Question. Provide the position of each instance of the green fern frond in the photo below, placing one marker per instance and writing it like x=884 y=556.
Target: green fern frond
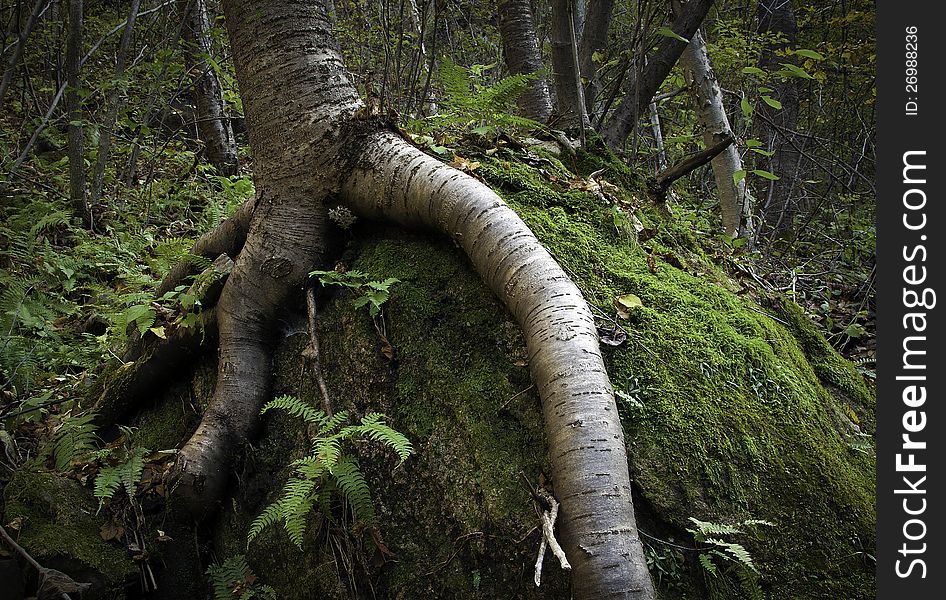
x=373 y=427
x=270 y=516
x=708 y=564
x=75 y=436
x=736 y=551
x=233 y=579
x=296 y=408
x=332 y=424
x=351 y=483
x=328 y=450
x=710 y=528
x=456 y=84
x=130 y=471
x=107 y=483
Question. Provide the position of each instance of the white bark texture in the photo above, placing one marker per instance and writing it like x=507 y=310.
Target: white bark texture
x=711 y=114
x=395 y=181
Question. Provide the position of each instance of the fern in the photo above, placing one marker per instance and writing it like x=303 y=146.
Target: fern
x=295 y=408
x=326 y=472
x=75 y=436
x=730 y=554
x=351 y=483
x=233 y=579
x=125 y=474
x=469 y=104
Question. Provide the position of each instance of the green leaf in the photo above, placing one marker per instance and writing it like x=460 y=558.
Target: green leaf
x=738 y=176
x=753 y=71
x=752 y=143
x=854 y=330
x=809 y=54
x=772 y=102
x=761 y=151
x=629 y=300
x=670 y=33
x=746 y=107
x=765 y=175
x=796 y=71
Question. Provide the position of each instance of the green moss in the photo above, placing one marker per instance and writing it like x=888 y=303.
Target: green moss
x=59 y=527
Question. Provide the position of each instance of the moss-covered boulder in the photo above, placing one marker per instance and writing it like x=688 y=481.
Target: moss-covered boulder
x=735 y=408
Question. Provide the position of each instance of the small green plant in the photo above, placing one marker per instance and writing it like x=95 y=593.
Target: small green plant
x=470 y=104
x=234 y=580
x=326 y=472
x=718 y=555
x=74 y=437
x=372 y=293
x=121 y=467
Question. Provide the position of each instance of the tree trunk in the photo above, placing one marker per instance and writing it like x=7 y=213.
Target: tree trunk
x=114 y=103
x=521 y=49
x=307 y=146
x=17 y=55
x=711 y=114
x=213 y=125
x=75 y=134
x=640 y=88
x=594 y=39
x=777 y=126
x=570 y=105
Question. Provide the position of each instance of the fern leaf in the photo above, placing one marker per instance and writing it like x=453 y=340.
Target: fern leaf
x=130 y=470
x=375 y=429
x=296 y=408
x=736 y=551
x=351 y=483
x=332 y=424
x=75 y=436
x=708 y=564
x=710 y=528
x=328 y=451
x=107 y=483
x=270 y=515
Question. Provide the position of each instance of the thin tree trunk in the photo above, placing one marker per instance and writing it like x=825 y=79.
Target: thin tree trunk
x=711 y=115
x=307 y=145
x=640 y=88
x=17 y=55
x=213 y=124
x=76 y=137
x=114 y=103
x=777 y=126
x=521 y=50
x=430 y=107
x=569 y=104
x=594 y=39
x=658 y=137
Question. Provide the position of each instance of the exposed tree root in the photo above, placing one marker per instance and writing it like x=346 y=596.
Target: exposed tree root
x=127 y=386
x=283 y=245
x=227 y=238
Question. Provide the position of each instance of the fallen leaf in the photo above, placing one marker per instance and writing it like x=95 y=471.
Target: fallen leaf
x=111 y=531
